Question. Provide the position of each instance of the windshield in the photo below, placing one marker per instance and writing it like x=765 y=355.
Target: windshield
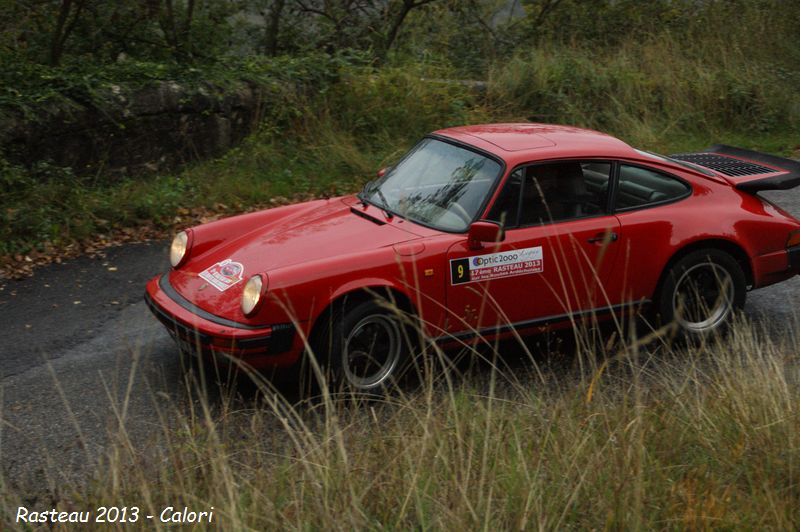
x=436 y=184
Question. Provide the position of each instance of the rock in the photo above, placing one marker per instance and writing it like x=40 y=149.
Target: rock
x=126 y=128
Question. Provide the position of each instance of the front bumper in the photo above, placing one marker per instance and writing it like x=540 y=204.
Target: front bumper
x=794 y=258
x=203 y=333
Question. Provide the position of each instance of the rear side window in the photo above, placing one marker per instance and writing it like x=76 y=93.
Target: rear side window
x=639 y=187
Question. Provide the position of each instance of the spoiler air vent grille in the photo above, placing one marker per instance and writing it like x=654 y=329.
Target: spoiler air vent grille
x=722 y=164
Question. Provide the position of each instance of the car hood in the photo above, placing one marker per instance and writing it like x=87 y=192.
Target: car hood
x=330 y=229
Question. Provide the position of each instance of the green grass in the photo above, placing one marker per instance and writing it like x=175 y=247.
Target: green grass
x=653 y=93
x=656 y=437
x=63 y=209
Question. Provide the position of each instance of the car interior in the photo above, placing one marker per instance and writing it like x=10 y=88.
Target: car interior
x=553 y=192
x=639 y=186
x=572 y=189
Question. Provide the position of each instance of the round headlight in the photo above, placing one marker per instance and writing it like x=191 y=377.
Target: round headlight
x=177 y=250
x=251 y=295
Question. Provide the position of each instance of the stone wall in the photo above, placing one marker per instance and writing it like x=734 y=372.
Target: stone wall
x=126 y=130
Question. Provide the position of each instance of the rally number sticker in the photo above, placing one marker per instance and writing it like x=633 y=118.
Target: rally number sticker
x=223 y=274
x=497 y=265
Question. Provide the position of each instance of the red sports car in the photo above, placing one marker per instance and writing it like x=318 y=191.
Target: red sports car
x=475 y=232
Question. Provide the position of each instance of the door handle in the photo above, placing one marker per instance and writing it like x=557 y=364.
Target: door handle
x=600 y=237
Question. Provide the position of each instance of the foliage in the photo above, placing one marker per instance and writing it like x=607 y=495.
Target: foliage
x=649 y=72
x=102 y=31
x=321 y=143
x=30 y=87
x=647 y=86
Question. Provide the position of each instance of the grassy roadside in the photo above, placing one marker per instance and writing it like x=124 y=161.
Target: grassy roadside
x=330 y=142
x=324 y=144
x=624 y=437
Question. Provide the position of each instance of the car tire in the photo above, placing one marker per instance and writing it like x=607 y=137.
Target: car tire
x=365 y=350
x=701 y=293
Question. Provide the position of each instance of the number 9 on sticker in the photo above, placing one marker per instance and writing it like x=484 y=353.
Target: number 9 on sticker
x=459 y=271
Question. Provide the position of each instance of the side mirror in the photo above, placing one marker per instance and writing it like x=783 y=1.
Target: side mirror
x=480 y=232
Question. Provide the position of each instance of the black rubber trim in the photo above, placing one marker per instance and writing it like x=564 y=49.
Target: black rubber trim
x=794 y=258
x=282 y=338
x=174 y=325
x=785 y=181
x=538 y=322
x=167 y=288
x=279 y=341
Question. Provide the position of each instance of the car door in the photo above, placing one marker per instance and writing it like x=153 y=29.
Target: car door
x=557 y=257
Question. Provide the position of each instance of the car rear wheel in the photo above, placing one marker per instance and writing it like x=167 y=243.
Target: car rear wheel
x=367 y=348
x=702 y=292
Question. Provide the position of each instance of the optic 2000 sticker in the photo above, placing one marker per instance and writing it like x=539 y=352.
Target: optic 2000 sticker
x=497 y=265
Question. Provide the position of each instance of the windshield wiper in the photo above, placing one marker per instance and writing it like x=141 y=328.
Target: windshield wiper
x=361 y=195
x=384 y=206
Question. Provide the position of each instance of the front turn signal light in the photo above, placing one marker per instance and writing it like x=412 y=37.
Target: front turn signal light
x=794 y=239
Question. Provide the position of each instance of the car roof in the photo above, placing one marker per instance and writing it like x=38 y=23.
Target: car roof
x=517 y=143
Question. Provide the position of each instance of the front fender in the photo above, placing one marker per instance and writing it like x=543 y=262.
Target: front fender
x=368 y=283
x=208 y=236
x=303 y=292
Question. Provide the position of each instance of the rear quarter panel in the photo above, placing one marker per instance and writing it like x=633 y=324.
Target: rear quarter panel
x=650 y=237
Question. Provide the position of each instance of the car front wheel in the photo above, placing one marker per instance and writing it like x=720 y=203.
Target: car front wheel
x=368 y=348
x=701 y=292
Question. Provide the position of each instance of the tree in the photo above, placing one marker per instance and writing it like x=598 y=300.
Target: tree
x=69 y=14
x=273 y=27
x=177 y=27
x=394 y=16
x=360 y=23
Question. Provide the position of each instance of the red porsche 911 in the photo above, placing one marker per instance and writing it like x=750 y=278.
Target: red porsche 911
x=476 y=232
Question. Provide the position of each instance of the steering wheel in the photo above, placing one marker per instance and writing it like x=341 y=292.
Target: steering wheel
x=461 y=212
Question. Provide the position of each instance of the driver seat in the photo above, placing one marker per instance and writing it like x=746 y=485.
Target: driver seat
x=572 y=189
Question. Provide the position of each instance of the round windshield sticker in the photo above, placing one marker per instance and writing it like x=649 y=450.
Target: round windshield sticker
x=223 y=274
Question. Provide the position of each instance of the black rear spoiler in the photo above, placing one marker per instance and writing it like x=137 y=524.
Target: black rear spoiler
x=744 y=168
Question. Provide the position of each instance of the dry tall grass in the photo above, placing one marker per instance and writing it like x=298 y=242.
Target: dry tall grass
x=656 y=437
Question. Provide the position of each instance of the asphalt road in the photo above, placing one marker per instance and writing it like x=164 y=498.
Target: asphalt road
x=77 y=338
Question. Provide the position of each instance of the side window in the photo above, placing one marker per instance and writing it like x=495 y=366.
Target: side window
x=639 y=186
x=506 y=208
x=564 y=191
